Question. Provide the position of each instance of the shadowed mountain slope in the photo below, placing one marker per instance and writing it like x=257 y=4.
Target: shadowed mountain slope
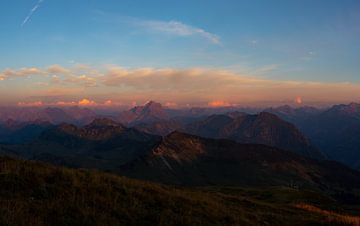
x=335 y=130
x=103 y=144
x=191 y=160
x=264 y=128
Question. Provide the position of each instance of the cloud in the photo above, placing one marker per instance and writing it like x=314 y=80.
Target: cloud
x=32 y=11
x=82 y=80
x=266 y=69
x=170 y=104
x=57 y=69
x=23 y=72
x=219 y=103
x=62 y=103
x=177 y=28
x=59 y=75
x=172 y=86
x=86 y=102
x=207 y=85
x=30 y=104
x=298 y=100
x=55 y=80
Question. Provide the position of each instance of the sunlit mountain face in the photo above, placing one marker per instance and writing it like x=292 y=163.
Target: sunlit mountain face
x=204 y=112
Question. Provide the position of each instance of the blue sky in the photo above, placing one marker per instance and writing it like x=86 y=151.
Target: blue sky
x=276 y=40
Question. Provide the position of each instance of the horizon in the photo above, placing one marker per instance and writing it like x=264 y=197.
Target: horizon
x=112 y=54
x=87 y=104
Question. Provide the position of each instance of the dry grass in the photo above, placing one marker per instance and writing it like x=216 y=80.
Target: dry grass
x=33 y=193
x=332 y=217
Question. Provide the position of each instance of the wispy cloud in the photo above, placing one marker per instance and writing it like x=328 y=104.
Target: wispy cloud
x=59 y=75
x=266 y=69
x=177 y=28
x=32 y=11
x=22 y=72
x=171 y=27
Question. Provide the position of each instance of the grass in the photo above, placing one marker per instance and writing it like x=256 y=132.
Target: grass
x=33 y=193
x=331 y=217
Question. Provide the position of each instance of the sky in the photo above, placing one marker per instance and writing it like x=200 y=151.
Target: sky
x=180 y=53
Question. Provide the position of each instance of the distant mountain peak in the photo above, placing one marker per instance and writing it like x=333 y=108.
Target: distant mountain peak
x=152 y=103
x=150 y=112
x=352 y=108
x=284 y=109
x=263 y=128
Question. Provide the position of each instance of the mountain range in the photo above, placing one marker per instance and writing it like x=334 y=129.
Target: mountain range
x=335 y=130
x=182 y=159
x=54 y=115
x=331 y=133
x=102 y=144
x=264 y=128
x=257 y=163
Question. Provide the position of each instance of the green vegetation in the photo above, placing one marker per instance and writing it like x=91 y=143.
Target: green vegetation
x=33 y=193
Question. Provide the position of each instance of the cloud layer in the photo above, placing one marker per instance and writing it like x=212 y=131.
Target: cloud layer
x=179 y=87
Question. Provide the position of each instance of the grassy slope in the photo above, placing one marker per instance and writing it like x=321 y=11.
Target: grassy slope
x=34 y=193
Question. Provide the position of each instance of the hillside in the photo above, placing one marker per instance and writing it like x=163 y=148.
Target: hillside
x=102 y=144
x=263 y=128
x=183 y=159
x=192 y=160
x=335 y=131
x=33 y=193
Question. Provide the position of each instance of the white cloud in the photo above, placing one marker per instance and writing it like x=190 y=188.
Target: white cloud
x=177 y=28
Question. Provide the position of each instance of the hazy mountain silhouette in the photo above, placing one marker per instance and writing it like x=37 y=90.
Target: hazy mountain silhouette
x=335 y=130
x=264 y=128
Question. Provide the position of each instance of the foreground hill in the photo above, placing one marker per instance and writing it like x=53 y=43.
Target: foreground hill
x=191 y=160
x=39 y=194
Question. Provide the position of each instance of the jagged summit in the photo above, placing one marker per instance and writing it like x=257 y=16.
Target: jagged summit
x=352 y=108
x=150 y=112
